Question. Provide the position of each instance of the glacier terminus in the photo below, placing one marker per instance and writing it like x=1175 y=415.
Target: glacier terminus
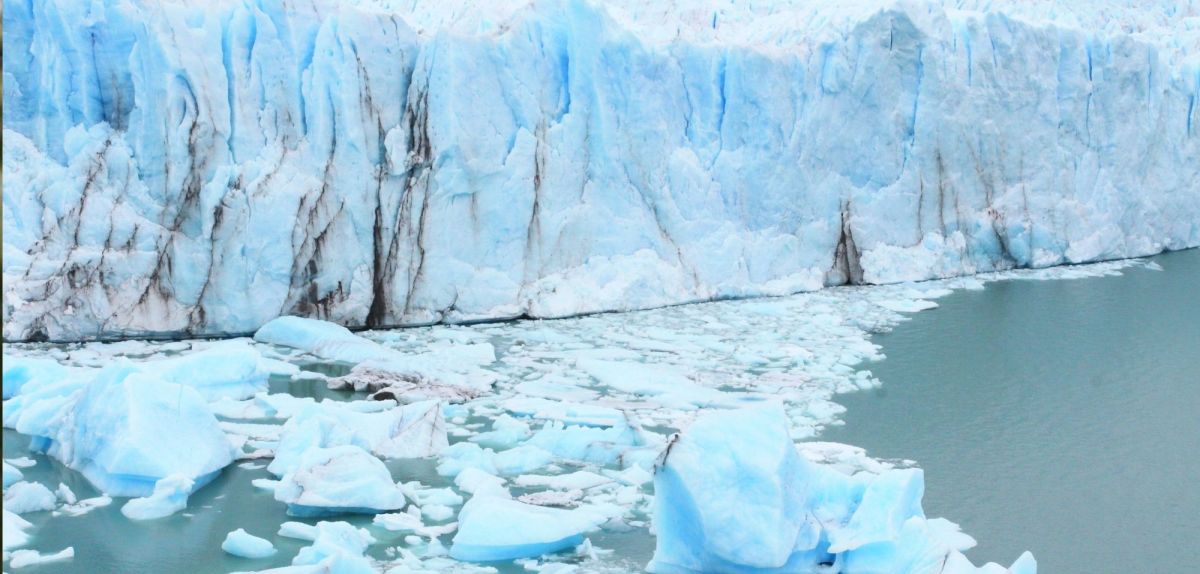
x=175 y=168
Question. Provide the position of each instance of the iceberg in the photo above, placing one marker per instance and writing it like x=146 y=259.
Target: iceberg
x=496 y=528
x=11 y=475
x=411 y=431
x=126 y=430
x=14 y=530
x=337 y=480
x=246 y=545
x=170 y=496
x=24 y=497
x=380 y=163
x=733 y=494
x=23 y=558
x=337 y=548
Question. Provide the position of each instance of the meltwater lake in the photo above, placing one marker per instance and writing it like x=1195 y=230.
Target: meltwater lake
x=1054 y=416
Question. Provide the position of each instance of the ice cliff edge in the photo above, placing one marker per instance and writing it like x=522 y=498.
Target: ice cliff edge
x=182 y=169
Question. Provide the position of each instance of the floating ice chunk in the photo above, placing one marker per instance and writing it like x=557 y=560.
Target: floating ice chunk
x=634 y=475
x=557 y=498
x=568 y=413
x=668 y=386
x=126 y=431
x=481 y=483
x=86 y=505
x=21 y=462
x=23 y=558
x=579 y=480
x=557 y=388
x=521 y=459
x=492 y=528
x=464 y=455
x=11 y=474
x=170 y=496
x=14 y=530
x=411 y=431
x=591 y=444
x=65 y=494
x=321 y=338
x=506 y=432
x=20 y=370
x=339 y=546
x=423 y=496
x=437 y=512
x=733 y=494
x=228 y=369
x=241 y=543
x=400 y=521
x=298 y=530
x=906 y=305
x=339 y=479
x=24 y=497
x=455 y=365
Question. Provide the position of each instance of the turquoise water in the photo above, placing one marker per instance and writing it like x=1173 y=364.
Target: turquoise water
x=1061 y=417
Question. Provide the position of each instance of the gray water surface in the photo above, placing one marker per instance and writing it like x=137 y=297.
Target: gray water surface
x=1062 y=417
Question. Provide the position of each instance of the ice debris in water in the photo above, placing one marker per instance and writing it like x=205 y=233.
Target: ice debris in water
x=450 y=365
x=23 y=558
x=170 y=496
x=246 y=545
x=125 y=430
x=497 y=528
x=733 y=494
x=338 y=479
x=11 y=475
x=24 y=497
x=14 y=530
x=411 y=431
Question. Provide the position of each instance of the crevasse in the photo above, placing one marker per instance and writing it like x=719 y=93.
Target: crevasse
x=175 y=169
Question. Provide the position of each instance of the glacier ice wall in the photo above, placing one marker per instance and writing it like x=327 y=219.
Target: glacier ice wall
x=176 y=168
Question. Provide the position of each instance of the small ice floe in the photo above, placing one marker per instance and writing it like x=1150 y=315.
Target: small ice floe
x=494 y=528
x=578 y=480
x=14 y=530
x=411 y=431
x=170 y=496
x=24 y=497
x=23 y=558
x=11 y=475
x=246 y=545
x=337 y=480
x=566 y=412
x=85 y=506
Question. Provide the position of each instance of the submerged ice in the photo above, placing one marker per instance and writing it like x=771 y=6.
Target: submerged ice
x=379 y=163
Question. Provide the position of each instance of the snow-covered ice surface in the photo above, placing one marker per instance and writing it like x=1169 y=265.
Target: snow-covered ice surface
x=570 y=419
x=387 y=162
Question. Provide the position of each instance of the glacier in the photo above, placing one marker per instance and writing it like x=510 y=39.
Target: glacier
x=178 y=169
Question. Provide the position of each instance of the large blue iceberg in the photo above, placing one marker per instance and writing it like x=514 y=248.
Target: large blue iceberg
x=732 y=494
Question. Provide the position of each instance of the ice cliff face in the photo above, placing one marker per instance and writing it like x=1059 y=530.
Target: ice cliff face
x=176 y=168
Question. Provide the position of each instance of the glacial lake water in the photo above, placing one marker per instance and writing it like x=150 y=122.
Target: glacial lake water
x=1056 y=416
x=1062 y=417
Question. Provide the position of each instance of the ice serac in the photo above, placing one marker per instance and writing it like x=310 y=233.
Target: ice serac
x=732 y=494
x=377 y=162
